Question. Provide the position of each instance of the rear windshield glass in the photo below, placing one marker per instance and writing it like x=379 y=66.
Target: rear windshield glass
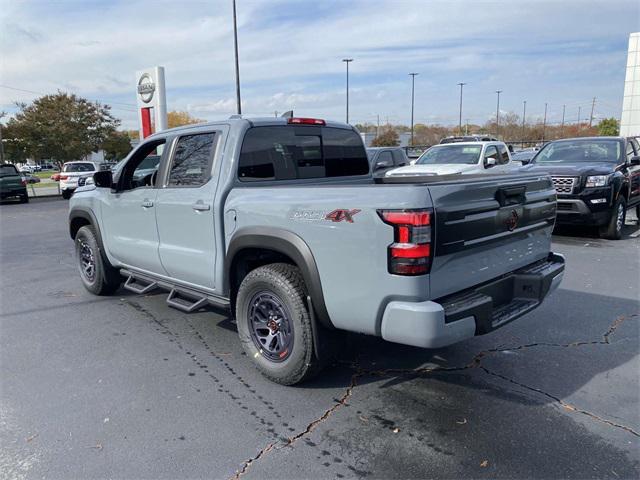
x=573 y=151
x=8 y=170
x=290 y=153
x=78 y=167
x=451 y=154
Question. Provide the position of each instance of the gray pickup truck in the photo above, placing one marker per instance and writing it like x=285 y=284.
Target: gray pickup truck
x=281 y=222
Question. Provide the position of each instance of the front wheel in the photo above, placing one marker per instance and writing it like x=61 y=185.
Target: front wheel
x=613 y=230
x=274 y=324
x=96 y=273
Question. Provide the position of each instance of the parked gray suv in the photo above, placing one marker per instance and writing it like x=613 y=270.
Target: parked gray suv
x=281 y=222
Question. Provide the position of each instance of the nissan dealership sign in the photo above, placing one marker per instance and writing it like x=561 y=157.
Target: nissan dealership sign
x=152 y=101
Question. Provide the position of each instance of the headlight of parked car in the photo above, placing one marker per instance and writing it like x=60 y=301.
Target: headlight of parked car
x=597 y=180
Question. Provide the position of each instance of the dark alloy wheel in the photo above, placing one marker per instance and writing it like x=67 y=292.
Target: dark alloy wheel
x=270 y=326
x=87 y=261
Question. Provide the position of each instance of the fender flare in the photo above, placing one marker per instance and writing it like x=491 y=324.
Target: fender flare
x=87 y=214
x=286 y=243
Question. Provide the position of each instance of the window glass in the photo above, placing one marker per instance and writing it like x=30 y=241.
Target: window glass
x=78 y=167
x=400 y=158
x=386 y=157
x=191 y=163
x=491 y=152
x=8 y=170
x=580 y=150
x=451 y=153
x=504 y=154
x=139 y=169
x=630 y=152
x=288 y=153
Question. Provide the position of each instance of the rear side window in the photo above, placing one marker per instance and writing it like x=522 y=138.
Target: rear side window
x=191 y=165
x=8 y=170
x=400 y=158
x=504 y=155
x=290 y=153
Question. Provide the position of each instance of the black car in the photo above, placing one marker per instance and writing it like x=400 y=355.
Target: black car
x=597 y=180
x=384 y=158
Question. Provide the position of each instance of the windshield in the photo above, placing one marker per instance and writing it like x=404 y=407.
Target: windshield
x=78 y=167
x=575 y=151
x=451 y=154
x=7 y=170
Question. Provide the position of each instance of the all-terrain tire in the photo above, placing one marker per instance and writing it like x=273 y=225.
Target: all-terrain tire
x=282 y=283
x=613 y=230
x=103 y=278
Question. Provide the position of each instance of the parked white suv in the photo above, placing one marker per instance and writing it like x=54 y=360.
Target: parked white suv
x=72 y=172
x=462 y=157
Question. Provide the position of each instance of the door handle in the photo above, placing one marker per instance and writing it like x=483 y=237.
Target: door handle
x=200 y=206
x=147 y=203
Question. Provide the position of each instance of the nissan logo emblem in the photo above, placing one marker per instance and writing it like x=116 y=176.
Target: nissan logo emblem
x=146 y=87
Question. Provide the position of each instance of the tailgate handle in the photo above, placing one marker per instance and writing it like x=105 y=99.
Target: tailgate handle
x=511 y=195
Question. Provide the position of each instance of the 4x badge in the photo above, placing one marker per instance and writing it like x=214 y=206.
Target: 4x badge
x=341 y=215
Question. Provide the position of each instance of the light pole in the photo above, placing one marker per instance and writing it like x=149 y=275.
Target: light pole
x=562 y=124
x=579 y=111
x=544 y=122
x=462 y=84
x=347 y=61
x=498 y=114
x=413 y=84
x=524 y=115
x=235 y=42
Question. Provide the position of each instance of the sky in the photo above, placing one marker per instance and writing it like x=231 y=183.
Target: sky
x=555 y=52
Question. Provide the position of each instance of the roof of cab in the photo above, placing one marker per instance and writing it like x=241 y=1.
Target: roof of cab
x=252 y=121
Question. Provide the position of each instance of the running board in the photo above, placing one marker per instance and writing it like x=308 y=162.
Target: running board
x=183 y=298
x=185 y=302
x=139 y=286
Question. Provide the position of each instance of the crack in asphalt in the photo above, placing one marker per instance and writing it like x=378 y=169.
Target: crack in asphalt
x=342 y=401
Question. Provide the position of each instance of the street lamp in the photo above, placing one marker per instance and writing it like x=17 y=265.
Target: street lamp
x=524 y=115
x=413 y=84
x=462 y=84
x=347 y=61
x=544 y=122
x=235 y=43
x=498 y=114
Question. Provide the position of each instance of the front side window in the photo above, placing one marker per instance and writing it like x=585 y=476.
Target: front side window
x=630 y=152
x=191 y=165
x=140 y=169
x=289 y=153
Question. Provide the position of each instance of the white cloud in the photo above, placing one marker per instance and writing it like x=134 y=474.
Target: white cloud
x=290 y=54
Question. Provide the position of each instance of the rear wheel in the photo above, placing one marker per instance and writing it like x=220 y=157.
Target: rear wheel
x=24 y=198
x=274 y=324
x=96 y=273
x=613 y=230
x=66 y=194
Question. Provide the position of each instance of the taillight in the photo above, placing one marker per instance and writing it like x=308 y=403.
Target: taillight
x=305 y=121
x=410 y=254
x=63 y=177
x=24 y=182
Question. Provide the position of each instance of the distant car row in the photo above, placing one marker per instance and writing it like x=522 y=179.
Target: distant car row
x=597 y=179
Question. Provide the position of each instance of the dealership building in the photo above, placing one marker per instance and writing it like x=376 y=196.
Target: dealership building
x=630 y=120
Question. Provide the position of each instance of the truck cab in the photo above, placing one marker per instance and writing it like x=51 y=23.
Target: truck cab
x=460 y=158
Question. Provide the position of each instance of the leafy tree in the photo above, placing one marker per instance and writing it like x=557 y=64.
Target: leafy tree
x=609 y=127
x=116 y=146
x=177 y=119
x=388 y=138
x=61 y=127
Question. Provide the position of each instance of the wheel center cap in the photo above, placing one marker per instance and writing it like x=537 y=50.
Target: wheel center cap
x=273 y=326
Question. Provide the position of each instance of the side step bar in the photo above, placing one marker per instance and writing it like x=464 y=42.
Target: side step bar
x=185 y=302
x=183 y=298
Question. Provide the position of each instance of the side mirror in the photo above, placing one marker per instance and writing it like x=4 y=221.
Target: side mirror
x=490 y=162
x=635 y=160
x=103 y=179
x=383 y=164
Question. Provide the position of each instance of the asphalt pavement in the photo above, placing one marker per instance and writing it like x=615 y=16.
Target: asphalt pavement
x=126 y=387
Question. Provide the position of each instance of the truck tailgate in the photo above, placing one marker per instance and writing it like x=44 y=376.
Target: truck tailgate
x=487 y=226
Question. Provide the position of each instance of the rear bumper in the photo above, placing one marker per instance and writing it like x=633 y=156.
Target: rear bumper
x=13 y=192
x=475 y=311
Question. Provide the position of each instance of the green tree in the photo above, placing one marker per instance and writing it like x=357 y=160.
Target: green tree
x=116 y=146
x=609 y=127
x=388 y=138
x=61 y=127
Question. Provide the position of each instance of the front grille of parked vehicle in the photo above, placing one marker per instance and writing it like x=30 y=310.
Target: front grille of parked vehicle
x=566 y=207
x=564 y=184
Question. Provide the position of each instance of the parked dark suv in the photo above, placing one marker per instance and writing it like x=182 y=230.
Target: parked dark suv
x=597 y=180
